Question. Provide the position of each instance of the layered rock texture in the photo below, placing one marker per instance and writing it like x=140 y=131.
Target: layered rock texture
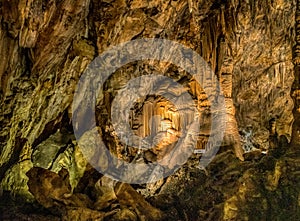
x=252 y=48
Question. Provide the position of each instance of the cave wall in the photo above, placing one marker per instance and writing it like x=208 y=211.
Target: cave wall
x=263 y=71
x=44 y=55
x=46 y=47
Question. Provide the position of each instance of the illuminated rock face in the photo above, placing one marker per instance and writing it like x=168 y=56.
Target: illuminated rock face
x=160 y=122
x=46 y=46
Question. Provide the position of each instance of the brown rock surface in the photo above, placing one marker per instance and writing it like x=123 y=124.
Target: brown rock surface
x=253 y=47
x=129 y=197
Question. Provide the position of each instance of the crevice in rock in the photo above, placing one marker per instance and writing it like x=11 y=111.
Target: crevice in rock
x=14 y=158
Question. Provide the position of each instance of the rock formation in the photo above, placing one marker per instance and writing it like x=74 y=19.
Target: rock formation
x=252 y=48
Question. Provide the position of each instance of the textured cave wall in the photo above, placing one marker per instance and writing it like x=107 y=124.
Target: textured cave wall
x=263 y=71
x=42 y=61
x=45 y=47
x=296 y=84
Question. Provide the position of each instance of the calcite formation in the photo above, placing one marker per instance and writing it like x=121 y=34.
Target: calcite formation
x=252 y=48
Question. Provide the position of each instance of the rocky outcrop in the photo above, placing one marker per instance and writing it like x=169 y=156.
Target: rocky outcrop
x=53 y=191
